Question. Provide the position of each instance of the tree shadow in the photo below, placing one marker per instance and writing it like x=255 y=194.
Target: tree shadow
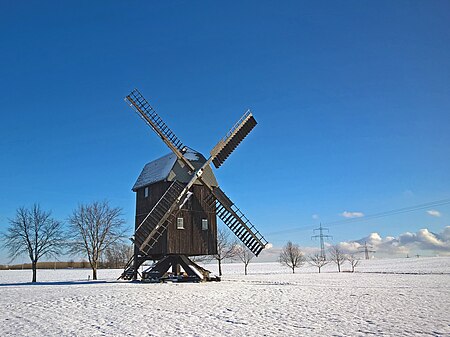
x=53 y=283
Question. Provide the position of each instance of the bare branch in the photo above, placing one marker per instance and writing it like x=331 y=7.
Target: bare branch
x=317 y=260
x=93 y=229
x=354 y=261
x=337 y=256
x=117 y=255
x=35 y=233
x=291 y=256
x=245 y=255
x=226 y=248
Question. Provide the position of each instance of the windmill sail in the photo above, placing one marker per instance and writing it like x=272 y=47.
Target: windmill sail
x=237 y=133
x=153 y=226
x=149 y=115
x=232 y=216
x=155 y=223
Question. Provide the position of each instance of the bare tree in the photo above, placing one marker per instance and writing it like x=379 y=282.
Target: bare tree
x=317 y=260
x=354 y=261
x=226 y=248
x=35 y=233
x=337 y=256
x=94 y=228
x=201 y=258
x=245 y=255
x=117 y=255
x=291 y=256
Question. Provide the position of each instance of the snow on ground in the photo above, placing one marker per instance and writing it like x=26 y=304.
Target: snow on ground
x=428 y=265
x=269 y=301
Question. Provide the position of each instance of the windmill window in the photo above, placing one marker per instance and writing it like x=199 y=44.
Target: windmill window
x=146 y=192
x=180 y=223
x=204 y=224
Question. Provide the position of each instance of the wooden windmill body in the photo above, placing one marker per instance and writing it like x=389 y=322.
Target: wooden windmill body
x=178 y=201
x=192 y=230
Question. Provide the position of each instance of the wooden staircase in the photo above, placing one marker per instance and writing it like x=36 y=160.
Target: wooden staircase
x=128 y=271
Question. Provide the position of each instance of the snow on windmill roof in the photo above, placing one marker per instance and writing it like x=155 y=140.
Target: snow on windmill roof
x=155 y=171
x=168 y=168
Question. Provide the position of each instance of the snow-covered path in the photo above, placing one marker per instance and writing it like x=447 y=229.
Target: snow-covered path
x=266 y=303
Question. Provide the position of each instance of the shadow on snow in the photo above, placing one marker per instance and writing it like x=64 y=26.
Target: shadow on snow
x=57 y=283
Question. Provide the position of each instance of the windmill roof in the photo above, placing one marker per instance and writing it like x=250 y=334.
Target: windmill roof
x=155 y=171
x=168 y=168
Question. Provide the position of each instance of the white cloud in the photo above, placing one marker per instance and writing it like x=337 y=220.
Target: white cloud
x=350 y=247
x=433 y=212
x=375 y=238
x=315 y=216
x=422 y=240
x=347 y=214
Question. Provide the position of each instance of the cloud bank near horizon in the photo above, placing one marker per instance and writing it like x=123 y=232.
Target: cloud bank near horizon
x=422 y=241
x=405 y=243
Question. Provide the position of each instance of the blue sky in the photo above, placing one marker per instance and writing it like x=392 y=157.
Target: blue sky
x=352 y=100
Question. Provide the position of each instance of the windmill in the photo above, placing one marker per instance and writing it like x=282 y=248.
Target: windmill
x=178 y=200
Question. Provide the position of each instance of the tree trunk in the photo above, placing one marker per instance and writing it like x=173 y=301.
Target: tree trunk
x=245 y=269
x=293 y=270
x=339 y=268
x=34 y=266
x=319 y=270
x=94 y=270
x=220 y=267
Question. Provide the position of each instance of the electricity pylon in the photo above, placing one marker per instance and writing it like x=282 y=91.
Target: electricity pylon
x=321 y=236
x=366 y=249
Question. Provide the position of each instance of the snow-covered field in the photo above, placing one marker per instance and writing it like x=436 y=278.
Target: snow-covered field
x=395 y=297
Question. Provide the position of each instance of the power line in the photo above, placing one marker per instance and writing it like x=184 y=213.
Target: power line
x=371 y=216
x=393 y=212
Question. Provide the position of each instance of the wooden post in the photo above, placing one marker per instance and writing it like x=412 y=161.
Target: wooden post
x=176 y=267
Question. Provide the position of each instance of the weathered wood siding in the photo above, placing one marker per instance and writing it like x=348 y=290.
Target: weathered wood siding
x=191 y=240
x=145 y=205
